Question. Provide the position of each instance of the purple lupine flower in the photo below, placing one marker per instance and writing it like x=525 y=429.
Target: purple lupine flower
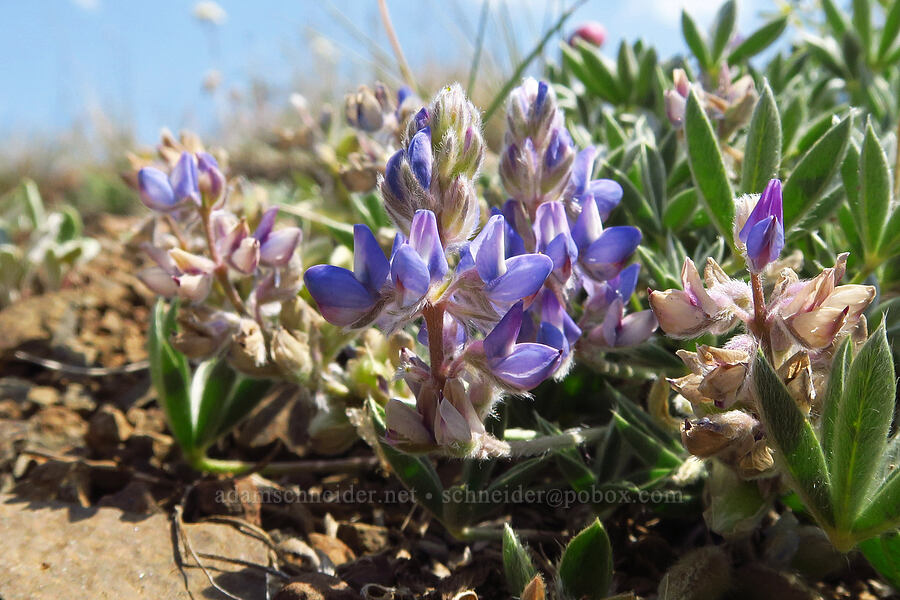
x=166 y=193
x=763 y=233
x=603 y=293
x=536 y=163
x=553 y=238
x=276 y=247
x=407 y=179
x=605 y=193
x=517 y=220
x=178 y=274
x=403 y=93
x=521 y=366
x=346 y=297
x=554 y=327
x=418 y=262
x=602 y=252
x=210 y=179
x=620 y=330
x=350 y=298
x=506 y=279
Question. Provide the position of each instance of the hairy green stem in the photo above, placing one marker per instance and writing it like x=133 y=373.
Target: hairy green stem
x=605 y=367
x=434 y=320
x=567 y=439
x=239 y=467
x=759 y=316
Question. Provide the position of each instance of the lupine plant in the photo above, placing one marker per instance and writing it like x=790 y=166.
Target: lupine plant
x=496 y=322
x=37 y=248
x=744 y=197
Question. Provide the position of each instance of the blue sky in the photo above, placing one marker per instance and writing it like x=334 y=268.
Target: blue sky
x=66 y=61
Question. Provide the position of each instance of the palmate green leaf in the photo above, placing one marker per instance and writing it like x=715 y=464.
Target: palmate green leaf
x=810 y=179
x=641 y=212
x=568 y=460
x=171 y=374
x=889 y=31
x=874 y=190
x=244 y=395
x=819 y=214
x=862 y=22
x=850 y=179
x=883 y=553
x=613 y=132
x=680 y=209
x=827 y=52
x=34 y=205
x=883 y=510
x=814 y=131
x=735 y=506
x=517 y=566
x=572 y=60
x=887 y=311
x=835 y=18
x=797 y=450
x=695 y=40
x=763 y=153
x=586 y=567
x=891 y=240
x=626 y=67
x=861 y=426
x=646 y=76
x=723 y=29
x=650 y=450
x=848 y=228
x=641 y=420
x=708 y=166
x=519 y=474
x=834 y=394
x=211 y=384
x=653 y=175
x=655 y=264
x=758 y=41
x=791 y=118
x=71 y=226
x=601 y=71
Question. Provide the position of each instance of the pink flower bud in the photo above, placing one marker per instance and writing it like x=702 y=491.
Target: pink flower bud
x=591 y=31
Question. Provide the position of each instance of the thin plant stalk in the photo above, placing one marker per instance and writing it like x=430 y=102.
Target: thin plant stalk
x=395 y=43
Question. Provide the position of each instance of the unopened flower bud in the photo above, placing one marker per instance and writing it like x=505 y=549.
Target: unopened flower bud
x=291 y=352
x=455 y=128
x=210 y=180
x=203 y=331
x=756 y=462
x=363 y=110
x=591 y=32
x=248 y=350
x=763 y=232
x=159 y=281
x=245 y=258
x=532 y=112
x=716 y=433
x=358 y=175
x=676 y=98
